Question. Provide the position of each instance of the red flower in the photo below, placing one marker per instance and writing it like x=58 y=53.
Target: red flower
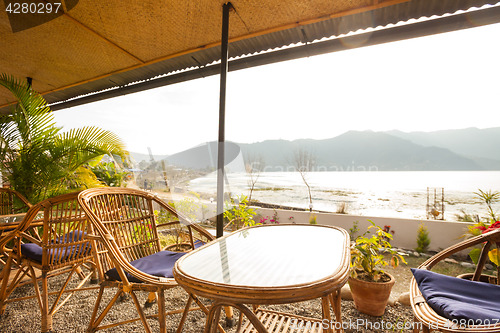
x=493 y=226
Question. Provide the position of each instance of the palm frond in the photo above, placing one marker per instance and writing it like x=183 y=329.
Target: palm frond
x=37 y=158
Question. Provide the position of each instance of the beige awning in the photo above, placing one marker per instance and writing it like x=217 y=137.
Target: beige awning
x=100 y=45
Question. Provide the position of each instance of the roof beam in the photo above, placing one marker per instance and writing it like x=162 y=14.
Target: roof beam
x=98 y=35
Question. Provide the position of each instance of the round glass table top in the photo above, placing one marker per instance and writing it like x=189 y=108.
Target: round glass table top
x=270 y=256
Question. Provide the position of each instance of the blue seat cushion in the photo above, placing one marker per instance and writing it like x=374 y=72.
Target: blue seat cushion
x=34 y=251
x=72 y=236
x=459 y=299
x=158 y=264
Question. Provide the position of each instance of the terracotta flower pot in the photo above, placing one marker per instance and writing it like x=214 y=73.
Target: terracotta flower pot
x=371 y=297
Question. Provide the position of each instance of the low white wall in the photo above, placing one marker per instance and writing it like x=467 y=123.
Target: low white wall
x=441 y=233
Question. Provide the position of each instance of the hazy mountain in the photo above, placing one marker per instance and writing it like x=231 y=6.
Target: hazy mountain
x=138 y=157
x=203 y=157
x=466 y=149
x=469 y=142
x=360 y=151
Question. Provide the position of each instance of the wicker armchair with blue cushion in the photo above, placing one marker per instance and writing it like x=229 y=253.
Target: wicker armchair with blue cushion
x=11 y=203
x=138 y=238
x=468 y=303
x=50 y=241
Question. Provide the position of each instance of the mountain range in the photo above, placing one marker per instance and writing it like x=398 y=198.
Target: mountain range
x=461 y=149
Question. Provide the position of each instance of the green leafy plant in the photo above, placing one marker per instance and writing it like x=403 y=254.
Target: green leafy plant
x=367 y=254
x=354 y=230
x=37 y=158
x=188 y=207
x=489 y=198
x=109 y=174
x=175 y=237
x=463 y=216
x=493 y=254
x=312 y=219
x=276 y=218
x=238 y=214
x=423 y=240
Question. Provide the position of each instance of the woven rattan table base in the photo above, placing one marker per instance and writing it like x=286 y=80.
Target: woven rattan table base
x=277 y=322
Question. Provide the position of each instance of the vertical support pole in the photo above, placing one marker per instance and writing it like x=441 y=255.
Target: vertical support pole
x=222 y=118
x=442 y=203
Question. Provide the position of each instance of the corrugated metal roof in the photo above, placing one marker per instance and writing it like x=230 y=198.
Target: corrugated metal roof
x=302 y=33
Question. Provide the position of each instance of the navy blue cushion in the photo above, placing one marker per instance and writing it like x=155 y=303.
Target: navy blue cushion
x=34 y=252
x=72 y=236
x=459 y=299
x=158 y=264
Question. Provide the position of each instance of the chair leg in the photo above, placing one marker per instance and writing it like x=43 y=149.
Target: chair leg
x=417 y=325
x=92 y=327
x=151 y=300
x=141 y=313
x=80 y=273
x=46 y=316
x=229 y=316
x=94 y=324
x=161 y=311
x=5 y=281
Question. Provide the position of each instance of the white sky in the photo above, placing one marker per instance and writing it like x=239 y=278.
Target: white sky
x=431 y=83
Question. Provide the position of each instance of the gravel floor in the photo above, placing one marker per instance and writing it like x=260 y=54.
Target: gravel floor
x=74 y=316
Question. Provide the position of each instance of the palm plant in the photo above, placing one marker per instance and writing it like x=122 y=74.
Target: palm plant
x=489 y=198
x=39 y=159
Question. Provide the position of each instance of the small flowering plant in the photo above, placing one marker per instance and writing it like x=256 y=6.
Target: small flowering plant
x=493 y=226
x=387 y=229
x=268 y=220
x=489 y=198
x=482 y=228
x=238 y=214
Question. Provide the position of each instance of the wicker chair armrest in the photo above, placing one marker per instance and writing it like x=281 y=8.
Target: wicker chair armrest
x=20 y=231
x=92 y=237
x=166 y=224
x=493 y=236
x=31 y=239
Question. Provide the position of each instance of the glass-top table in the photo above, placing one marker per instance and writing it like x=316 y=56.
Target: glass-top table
x=269 y=264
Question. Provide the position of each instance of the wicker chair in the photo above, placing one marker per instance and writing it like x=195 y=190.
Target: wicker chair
x=427 y=319
x=44 y=248
x=12 y=202
x=127 y=238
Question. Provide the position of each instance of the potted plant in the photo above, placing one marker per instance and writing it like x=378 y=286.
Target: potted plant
x=370 y=285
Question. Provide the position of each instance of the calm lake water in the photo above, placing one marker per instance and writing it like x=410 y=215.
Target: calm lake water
x=390 y=193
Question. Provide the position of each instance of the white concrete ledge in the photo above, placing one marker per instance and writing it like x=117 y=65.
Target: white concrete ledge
x=441 y=233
